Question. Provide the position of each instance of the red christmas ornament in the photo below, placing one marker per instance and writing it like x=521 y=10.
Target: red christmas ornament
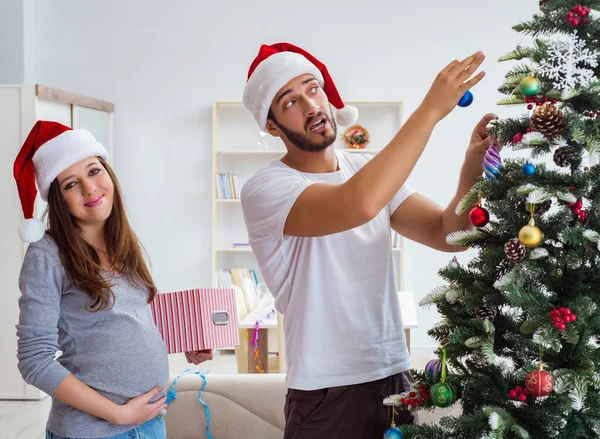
x=479 y=217
x=518 y=137
x=539 y=382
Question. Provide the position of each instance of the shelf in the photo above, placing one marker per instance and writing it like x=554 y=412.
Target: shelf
x=227 y=200
x=252 y=151
x=368 y=151
x=281 y=151
x=249 y=250
x=235 y=249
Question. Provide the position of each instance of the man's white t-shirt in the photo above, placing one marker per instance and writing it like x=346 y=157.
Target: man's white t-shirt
x=337 y=292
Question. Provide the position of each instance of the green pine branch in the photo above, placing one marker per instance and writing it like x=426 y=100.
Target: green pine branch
x=517 y=54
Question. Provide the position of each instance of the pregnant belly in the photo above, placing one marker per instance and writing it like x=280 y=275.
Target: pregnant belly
x=122 y=365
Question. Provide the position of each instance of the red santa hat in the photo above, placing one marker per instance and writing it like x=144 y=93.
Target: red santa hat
x=278 y=64
x=49 y=149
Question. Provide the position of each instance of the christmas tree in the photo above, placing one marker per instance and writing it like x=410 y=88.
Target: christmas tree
x=520 y=329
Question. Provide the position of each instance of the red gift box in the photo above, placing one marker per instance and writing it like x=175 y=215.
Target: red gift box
x=193 y=320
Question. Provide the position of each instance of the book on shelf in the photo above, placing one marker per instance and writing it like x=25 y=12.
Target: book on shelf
x=235 y=276
x=241 y=245
x=245 y=282
x=228 y=186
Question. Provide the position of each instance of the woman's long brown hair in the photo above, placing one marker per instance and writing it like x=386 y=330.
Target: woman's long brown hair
x=81 y=260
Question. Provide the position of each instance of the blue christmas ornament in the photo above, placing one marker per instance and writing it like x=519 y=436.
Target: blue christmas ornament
x=466 y=100
x=393 y=433
x=528 y=169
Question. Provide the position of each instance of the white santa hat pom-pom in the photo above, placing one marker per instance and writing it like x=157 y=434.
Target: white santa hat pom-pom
x=32 y=230
x=347 y=116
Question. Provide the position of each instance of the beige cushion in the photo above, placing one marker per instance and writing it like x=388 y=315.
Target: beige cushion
x=241 y=406
x=248 y=406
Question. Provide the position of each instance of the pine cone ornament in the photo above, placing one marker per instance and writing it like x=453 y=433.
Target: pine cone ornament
x=486 y=312
x=561 y=157
x=540 y=209
x=548 y=120
x=515 y=251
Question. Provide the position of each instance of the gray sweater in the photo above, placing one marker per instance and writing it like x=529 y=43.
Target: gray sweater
x=118 y=352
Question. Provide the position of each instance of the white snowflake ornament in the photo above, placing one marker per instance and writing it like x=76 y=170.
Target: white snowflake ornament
x=566 y=63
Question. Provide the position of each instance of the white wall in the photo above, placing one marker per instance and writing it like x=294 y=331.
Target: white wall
x=163 y=63
x=12 y=56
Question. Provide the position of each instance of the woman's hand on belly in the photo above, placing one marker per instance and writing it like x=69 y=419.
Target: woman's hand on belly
x=139 y=409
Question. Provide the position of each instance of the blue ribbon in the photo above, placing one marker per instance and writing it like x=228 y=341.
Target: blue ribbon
x=172 y=395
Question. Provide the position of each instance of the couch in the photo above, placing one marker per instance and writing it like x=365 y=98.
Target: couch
x=248 y=406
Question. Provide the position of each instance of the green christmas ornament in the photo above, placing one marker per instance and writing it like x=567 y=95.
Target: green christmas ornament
x=529 y=85
x=442 y=394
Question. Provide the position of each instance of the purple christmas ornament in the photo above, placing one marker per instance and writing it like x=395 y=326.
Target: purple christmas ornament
x=492 y=163
x=433 y=368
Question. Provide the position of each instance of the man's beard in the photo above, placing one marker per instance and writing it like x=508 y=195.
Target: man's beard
x=303 y=142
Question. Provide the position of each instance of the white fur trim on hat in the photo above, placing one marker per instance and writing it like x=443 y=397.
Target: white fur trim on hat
x=59 y=153
x=347 y=116
x=269 y=77
x=31 y=230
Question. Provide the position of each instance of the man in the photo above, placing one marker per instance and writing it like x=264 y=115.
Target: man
x=319 y=224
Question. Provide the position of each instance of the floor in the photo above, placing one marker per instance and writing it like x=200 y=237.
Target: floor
x=26 y=419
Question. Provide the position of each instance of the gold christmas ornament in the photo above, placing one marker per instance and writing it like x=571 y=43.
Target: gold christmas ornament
x=548 y=120
x=530 y=235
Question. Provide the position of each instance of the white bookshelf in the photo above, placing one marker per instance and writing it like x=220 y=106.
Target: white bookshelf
x=236 y=150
